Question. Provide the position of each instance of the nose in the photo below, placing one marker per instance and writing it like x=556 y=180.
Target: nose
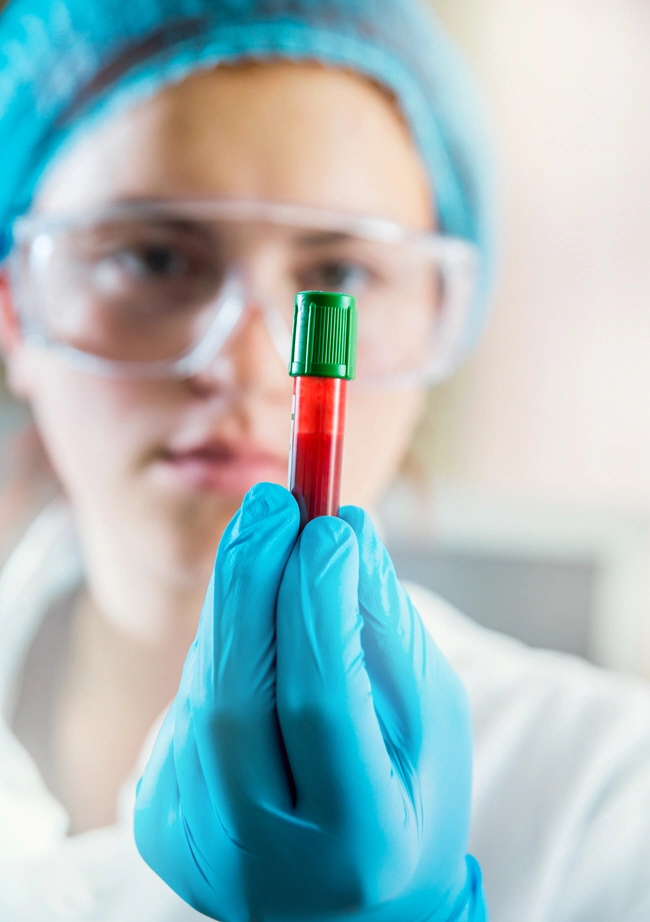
x=249 y=360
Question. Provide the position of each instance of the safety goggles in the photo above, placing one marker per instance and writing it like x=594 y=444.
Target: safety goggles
x=157 y=289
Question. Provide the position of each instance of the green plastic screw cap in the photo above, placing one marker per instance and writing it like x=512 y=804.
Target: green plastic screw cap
x=324 y=340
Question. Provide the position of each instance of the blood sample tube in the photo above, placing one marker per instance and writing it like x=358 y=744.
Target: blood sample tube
x=323 y=360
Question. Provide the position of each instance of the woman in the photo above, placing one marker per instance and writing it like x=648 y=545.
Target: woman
x=184 y=168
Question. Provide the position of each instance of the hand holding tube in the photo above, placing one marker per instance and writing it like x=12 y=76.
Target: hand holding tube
x=315 y=763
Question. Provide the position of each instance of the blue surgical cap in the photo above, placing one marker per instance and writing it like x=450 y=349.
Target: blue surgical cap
x=64 y=64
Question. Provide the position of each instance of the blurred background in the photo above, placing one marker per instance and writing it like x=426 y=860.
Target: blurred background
x=527 y=501
x=540 y=447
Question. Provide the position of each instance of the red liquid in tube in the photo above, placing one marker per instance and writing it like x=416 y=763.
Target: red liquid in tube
x=316 y=457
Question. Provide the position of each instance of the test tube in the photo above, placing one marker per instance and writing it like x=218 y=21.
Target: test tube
x=323 y=360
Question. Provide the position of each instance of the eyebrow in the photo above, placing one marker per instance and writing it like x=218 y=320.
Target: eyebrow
x=323 y=238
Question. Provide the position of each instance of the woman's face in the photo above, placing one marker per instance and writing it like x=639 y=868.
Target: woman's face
x=157 y=468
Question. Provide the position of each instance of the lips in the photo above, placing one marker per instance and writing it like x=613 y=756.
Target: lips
x=222 y=467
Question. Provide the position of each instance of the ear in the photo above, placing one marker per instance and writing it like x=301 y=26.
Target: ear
x=9 y=329
x=12 y=348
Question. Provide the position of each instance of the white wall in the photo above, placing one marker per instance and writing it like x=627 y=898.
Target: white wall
x=557 y=402
x=553 y=413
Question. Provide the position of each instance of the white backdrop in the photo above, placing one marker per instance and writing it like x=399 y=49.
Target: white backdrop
x=553 y=413
x=557 y=402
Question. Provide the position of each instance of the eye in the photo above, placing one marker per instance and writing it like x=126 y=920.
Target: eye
x=337 y=275
x=149 y=263
x=166 y=271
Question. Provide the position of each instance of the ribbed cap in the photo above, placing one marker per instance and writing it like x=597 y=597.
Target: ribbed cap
x=324 y=341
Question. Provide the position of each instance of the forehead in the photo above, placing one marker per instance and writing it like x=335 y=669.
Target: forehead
x=297 y=133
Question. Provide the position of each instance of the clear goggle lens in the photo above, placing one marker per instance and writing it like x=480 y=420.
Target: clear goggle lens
x=148 y=290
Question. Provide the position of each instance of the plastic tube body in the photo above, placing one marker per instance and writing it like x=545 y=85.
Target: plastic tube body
x=316 y=456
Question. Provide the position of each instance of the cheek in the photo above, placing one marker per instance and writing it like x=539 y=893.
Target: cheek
x=379 y=429
x=95 y=430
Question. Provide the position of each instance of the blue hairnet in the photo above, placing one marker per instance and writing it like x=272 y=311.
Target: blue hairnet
x=66 y=63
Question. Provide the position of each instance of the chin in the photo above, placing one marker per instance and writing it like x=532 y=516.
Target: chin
x=179 y=535
x=198 y=525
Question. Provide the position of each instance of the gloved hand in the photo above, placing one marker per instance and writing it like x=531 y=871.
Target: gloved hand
x=316 y=761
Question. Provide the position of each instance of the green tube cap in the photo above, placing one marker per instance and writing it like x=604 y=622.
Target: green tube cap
x=324 y=341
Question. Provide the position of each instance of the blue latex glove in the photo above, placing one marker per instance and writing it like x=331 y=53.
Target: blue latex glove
x=316 y=761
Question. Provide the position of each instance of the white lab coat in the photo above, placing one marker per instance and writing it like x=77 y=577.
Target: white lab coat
x=561 y=812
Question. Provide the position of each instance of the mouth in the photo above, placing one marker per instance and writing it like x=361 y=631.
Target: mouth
x=221 y=467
